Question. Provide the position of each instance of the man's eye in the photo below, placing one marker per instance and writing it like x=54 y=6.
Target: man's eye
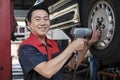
x=46 y=18
x=37 y=19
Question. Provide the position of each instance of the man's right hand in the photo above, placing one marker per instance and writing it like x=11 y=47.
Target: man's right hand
x=78 y=44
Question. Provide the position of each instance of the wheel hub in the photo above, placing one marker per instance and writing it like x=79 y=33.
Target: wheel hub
x=102 y=18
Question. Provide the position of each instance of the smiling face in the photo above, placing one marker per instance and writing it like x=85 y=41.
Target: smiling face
x=40 y=23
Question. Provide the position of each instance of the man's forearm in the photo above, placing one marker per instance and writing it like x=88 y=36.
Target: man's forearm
x=81 y=55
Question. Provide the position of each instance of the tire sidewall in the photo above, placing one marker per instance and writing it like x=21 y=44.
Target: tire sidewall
x=113 y=46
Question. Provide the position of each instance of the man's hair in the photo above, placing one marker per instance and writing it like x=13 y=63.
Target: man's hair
x=40 y=6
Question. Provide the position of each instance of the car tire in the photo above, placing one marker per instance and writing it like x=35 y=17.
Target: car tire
x=104 y=16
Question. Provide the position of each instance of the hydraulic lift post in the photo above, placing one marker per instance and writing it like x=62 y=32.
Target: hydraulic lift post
x=5 y=30
x=93 y=67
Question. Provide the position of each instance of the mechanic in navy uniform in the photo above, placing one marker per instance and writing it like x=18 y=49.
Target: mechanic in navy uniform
x=40 y=57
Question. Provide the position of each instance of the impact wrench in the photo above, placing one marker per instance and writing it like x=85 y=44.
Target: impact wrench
x=79 y=33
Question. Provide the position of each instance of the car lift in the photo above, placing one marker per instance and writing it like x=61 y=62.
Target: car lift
x=112 y=73
x=93 y=67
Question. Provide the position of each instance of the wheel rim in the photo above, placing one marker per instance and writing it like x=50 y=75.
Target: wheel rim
x=102 y=18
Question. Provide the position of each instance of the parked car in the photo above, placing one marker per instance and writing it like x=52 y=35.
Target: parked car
x=103 y=15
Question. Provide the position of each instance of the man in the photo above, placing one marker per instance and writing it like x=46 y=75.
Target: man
x=40 y=57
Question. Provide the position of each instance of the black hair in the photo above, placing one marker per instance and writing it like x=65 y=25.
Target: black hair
x=33 y=8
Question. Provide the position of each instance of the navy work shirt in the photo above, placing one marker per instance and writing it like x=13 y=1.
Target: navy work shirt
x=32 y=52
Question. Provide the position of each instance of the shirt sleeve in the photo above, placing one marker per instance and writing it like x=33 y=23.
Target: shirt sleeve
x=29 y=57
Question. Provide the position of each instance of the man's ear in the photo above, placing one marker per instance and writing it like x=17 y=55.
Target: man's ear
x=28 y=23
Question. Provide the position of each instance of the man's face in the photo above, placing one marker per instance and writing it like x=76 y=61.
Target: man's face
x=40 y=23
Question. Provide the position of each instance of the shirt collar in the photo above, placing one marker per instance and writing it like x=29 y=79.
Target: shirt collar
x=37 y=42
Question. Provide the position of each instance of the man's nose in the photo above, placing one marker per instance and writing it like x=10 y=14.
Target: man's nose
x=42 y=22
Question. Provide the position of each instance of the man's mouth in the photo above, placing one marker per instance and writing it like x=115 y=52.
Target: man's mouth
x=43 y=28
